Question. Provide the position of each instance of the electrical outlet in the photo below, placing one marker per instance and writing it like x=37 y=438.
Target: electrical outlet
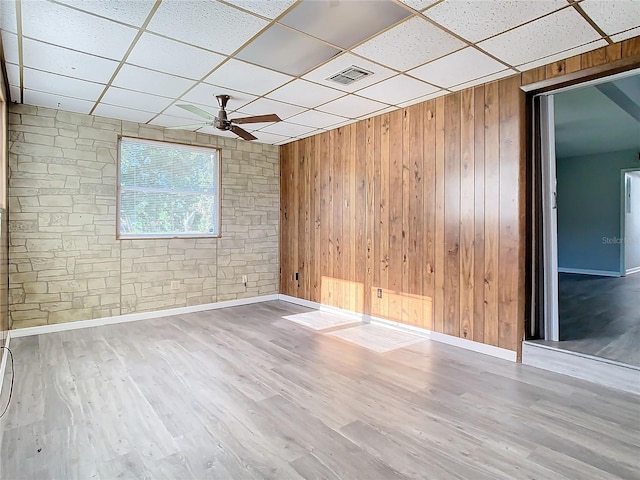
x=379 y=293
x=244 y=280
x=175 y=285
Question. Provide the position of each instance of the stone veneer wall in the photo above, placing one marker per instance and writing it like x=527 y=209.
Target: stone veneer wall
x=65 y=262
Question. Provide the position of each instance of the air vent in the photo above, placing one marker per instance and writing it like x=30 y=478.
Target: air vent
x=350 y=75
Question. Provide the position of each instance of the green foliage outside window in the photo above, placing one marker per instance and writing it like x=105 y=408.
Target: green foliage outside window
x=167 y=190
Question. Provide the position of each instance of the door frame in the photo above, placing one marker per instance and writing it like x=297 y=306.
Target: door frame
x=623 y=219
x=543 y=201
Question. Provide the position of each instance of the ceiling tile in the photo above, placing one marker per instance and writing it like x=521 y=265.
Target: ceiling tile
x=306 y=94
x=70 y=28
x=13 y=74
x=41 y=99
x=204 y=94
x=377 y=112
x=314 y=118
x=59 y=85
x=120 y=113
x=8 y=19
x=264 y=106
x=168 y=56
x=551 y=34
x=209 y=25
x=419 y=4
x=270 y=138
x=185 y=115
x=423 y=99
x=125 y=11
x=170 y=121
x=10 y=47
x=397 y=90
x=310 y=134
x=287 y=129
x=489 y=78
x=352 y=106
x=286 y=50
x=67 y=62
x=459 y=67
x=136 y=100
x=270 y=9
x=562 y=55
x=613 y=17
x=247 y=78
x=476 y=20
x=410 y=44
x=344 y=24
x=143 y=80
x=634 y=32
x=320 y=74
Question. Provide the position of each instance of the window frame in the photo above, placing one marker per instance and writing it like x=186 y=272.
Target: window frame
x=156 y=236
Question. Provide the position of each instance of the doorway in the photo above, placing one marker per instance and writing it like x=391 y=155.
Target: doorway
x=588 y=138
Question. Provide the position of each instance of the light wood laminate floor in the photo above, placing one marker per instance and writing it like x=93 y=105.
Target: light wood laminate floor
x=241 y=393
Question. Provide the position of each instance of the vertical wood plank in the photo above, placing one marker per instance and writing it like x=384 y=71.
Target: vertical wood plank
x=630 y=47
x=416 y=225
x=372 y=164
x=479 y=194
x=325 y=213
x=438 y=316
x=285 y=161
x=429 y=209
x=316 y=220
x=452 y=215
x=511 y=119
x=467 y=212
x=492 y=212
x=303 y=218
x=395 y=213
x=534 y=75
x=295 y=220
x=407 y=189
x=338 y=222
x=359 y=216
x=385 y=200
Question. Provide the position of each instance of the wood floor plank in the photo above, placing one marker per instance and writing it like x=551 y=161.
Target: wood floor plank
x=242 y=393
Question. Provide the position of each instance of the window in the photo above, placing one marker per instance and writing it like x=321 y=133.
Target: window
x=167 y=190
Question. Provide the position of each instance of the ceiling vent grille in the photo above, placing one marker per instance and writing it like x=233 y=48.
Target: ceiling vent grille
x=350 y=75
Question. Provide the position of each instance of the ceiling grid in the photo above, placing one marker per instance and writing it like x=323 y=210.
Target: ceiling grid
x=138 y=60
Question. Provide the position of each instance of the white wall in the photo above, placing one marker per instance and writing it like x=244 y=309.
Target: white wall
x=632 y=225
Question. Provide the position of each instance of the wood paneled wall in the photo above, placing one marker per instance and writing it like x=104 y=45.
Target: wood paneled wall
x=423 y=203
x=426 y=205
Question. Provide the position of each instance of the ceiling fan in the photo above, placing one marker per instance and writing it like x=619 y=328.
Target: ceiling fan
x=221 y=122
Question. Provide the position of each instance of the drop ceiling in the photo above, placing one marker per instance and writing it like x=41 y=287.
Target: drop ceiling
x=137 y=60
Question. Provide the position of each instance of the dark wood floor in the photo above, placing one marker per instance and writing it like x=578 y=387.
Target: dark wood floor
x=600 y=316
x=242 y=393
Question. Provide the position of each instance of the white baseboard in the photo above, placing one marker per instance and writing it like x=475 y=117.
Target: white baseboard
x=3 y=363
x=586 y=367
x=322 y=307
x=132 y=317
x=583 y=271
x=498 y=352
x=633 y=270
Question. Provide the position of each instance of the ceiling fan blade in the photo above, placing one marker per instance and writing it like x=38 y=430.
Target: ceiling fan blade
x=193 y=125
x=258 y=119
x=241 y=132
x=197 y=111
